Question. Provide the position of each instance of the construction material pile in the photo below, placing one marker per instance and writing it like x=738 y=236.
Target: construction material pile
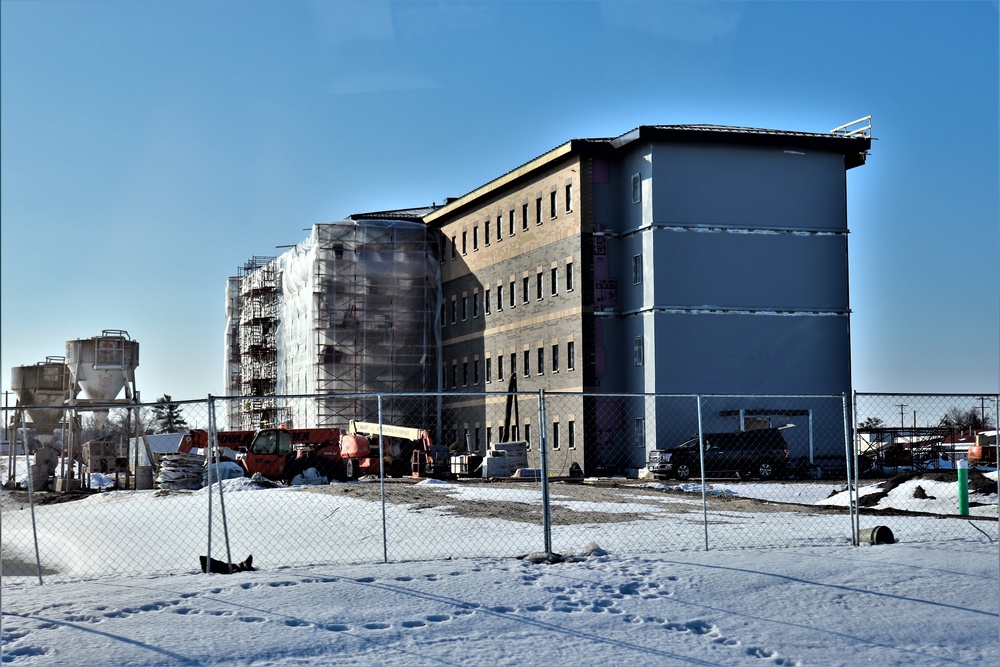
x=180 y=471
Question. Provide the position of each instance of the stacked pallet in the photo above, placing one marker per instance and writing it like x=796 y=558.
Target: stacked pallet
x=180 y=471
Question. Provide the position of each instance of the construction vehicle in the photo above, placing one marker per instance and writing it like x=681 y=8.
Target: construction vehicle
x=282 y=453
x=278 y=454
x=410 y=444
x=984 y=452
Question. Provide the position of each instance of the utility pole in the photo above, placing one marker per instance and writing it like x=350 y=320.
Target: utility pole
x=901 y=406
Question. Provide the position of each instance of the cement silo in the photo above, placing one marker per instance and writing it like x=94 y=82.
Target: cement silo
x=100 y=367
x=41 y=391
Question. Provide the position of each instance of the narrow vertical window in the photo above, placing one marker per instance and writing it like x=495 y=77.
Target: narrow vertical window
x=486 y=301
x=489 y=435
x=571 y=356
x=541 y=361
x=569 y=276
x=525 y=289
x=636 y=269
x=465 y=373
x=486 y=232
x=637 y=351
x=552 y=204
x=571 y=434
x=475 y=237
x=454 y=375
x=513 y=363
x=527 y=434
x=513 y=295
x=639 y=434
x=499 y=297
x=465 y=242
x=569 y=198
x=524 y=217
x=510 y=220
x=475 y=304
x=555 y=435
x=465 y=308
x=555 y=358
x=475 y=372
x=538 y=211
x=454 y=248
x=539 y=289
x=636 y=188
x=500 y=368
x=555 y=281
x=454 y=310
x=527 y=363
x=489 y=369
x=499 y=227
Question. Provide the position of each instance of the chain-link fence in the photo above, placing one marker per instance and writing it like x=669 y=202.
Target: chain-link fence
x=927 y=464
x=100 y=490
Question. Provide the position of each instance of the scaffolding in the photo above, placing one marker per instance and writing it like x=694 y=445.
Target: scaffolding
x=348 y=313
x=258 y=310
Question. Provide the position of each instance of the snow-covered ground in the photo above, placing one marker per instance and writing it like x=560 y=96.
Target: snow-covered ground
x=641 y=589
x=901 y=604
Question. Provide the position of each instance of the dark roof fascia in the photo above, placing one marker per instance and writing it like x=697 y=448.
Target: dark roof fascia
x=854 y=148
x=416 y=214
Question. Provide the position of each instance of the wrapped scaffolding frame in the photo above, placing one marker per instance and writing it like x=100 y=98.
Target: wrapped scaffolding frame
x=350 y=311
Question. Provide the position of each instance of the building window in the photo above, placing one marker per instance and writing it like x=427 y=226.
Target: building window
x=499 y=228
x=465 y=308
x=555 y=435
x=639 y=434
x=475 y=304
x=465 y=373
x=539 y=289
x=636 y=188
x=513 y=432
x=636 y=269
x=475 y=372
x=569 y=276
x=524 y=217
x=454 y=248
x=500 y=368
x=541 y=361
x=444 y=315
x=489 y=435
x=465 y=242
x=525 y=289
x=637 y=350
x=526 y=356
x=527 y=434
x=475 y=237
x=571 y=434
x=454 y=310
x=454 y=375
x=489 y=370
x=499 y=297
x=538 y=211
x=555 y=281
x=510 y=220
x=555 y=358
x=486 y=232
x=442 y=250
x=571 y=356
x=513 y=363
x=513 y=295
x=477 y=439
x=486 y=301
x=552 y=204
x=569 y=198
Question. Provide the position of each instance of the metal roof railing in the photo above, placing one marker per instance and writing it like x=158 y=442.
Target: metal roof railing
x=861 y=127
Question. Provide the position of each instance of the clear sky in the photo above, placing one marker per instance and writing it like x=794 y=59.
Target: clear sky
x=150 y=148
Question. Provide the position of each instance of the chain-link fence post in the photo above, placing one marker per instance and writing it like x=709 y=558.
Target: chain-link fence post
x=852 y=488
x=544 y=462
x=31 y=493
x=214 y=459
x=381 y=475
x=701 y=473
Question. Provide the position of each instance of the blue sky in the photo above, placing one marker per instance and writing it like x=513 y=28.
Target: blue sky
x=150 y=148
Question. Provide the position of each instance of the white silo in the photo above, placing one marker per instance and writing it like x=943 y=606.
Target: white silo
x=100 y=367
x=41 y=391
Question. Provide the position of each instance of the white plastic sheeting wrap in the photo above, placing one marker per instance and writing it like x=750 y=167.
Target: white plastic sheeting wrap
x=351 y=310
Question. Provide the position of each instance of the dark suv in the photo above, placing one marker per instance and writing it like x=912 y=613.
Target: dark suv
x=761 y=453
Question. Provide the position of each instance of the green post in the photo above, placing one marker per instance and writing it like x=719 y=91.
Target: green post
x=963 y=488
